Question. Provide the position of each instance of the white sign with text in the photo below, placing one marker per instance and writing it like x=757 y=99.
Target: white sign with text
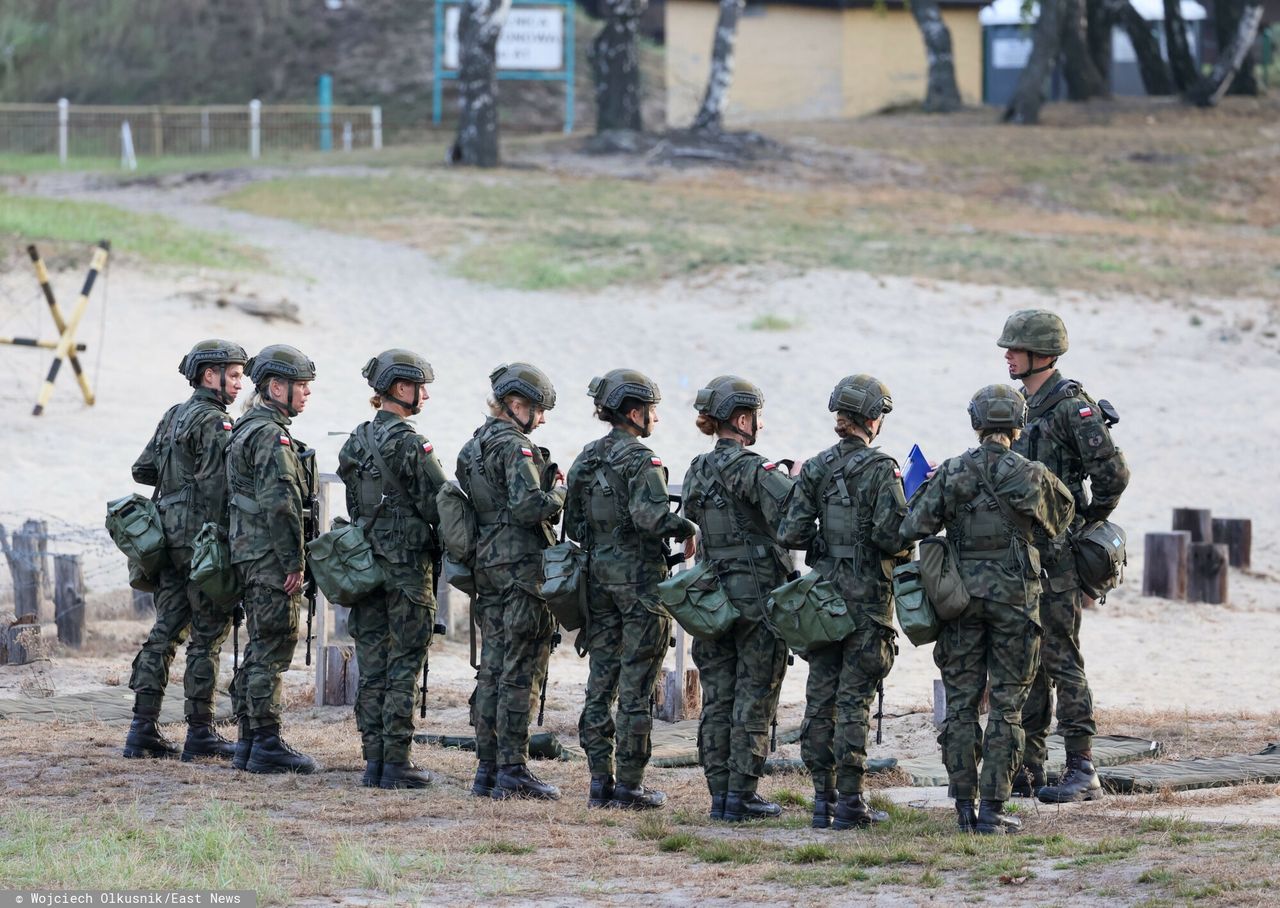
x=532 y=38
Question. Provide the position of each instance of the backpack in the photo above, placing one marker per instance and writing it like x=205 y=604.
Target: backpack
x=698 y=603
x=808 y=613
x=1100 y=557
x=343 y=563
x=941 y=577
x=135 y=527
x=459 y=529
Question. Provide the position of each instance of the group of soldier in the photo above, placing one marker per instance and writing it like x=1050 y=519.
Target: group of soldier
x=1009 y=505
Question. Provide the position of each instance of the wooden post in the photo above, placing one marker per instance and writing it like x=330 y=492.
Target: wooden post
x=144 y=603
x=23 y=556
x=692 y=694
x=341 y=675
x=1164 y=568
x=40 y=530
x=157 y=132
x=321 y=628
x=1207 y=573
x=68 y=599
x=21 y=643
x=1197 y=521
x=1237 y=534
x=939 y=702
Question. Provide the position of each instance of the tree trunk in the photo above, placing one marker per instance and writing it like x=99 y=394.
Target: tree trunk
x=1226 y=20
x=1098 y=24
x=478 y=28
x=615 y=66
x=711 y=114
x=1151 y=65
x=943 y=95
x=1209 y=90
x=1182 y=64
x=1024 y=106
x=1083 y=79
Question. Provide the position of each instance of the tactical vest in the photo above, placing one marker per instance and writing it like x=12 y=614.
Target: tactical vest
x=1035 y=444
x=986 y=528
x=489 y=502
x=729 y=530
x=844 y=527
x=177 y=495
x=393 y=522
x=241 y=489
x=606 y=505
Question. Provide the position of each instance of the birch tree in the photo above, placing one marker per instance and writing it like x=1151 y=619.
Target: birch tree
x=710 y=116
x=942 y=94
x=1210 y=89
x=615 y=66
x=478 y=27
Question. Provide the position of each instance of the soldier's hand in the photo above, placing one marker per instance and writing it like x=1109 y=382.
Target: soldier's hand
x=933 y=468
x=293 y=583
x=691 y=548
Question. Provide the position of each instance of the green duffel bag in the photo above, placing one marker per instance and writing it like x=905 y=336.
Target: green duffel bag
x=940 y=574
x=459 y=576
x=915 y=612
x=698 y=602
x=343 y=564
x=211 y=565
x=135 y=527
x=1100 y=557
x=808 y=613
x=563 y=587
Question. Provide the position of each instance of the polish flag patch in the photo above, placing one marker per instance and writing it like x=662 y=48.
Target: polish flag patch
x=427 y=447
x=770 y=466
x=656 y=461
x=284 y=440
x=897 y=474
x=226 y=425
x=527 y=452
x=1086 y=412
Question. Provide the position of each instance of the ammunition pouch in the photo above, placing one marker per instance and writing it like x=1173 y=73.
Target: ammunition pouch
x=698 y=603
x=808 y=613
x=343 y=563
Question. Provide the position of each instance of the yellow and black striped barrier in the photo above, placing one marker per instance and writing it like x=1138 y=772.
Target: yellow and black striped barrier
x=36 y=342
x=67 y=328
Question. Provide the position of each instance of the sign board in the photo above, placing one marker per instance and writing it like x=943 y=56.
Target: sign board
x=531 y=39
x=1010 y=53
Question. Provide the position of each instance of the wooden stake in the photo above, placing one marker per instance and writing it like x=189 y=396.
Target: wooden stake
x=68 y=599
x=1237 y=534
x=1197 y=521
x=1207 y=573
x=1164 y=568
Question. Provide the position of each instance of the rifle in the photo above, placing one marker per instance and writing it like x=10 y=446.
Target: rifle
x=237 y=618
x=880 y=711
x=436 y=551
x=310 y=530
x=542 y=698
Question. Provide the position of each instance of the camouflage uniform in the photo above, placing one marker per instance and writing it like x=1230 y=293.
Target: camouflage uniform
x=741 y=673
x=271 y=476
x=1066 y=432
x=618 y=508
x=392 y=626
x=185 y=461
x=846 y=510
x=511 y=486
x=997 y=639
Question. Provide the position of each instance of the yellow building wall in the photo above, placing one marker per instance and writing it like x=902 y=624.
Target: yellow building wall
x=798 y=63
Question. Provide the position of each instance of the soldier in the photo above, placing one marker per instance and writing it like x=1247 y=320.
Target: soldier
x=517 y=495
x=1068 y=432
x=990 y=500
x=392 y=627
x=846 y=510
x=618 y=509
x=737 y=499
x=271 y=478
x=185 y=461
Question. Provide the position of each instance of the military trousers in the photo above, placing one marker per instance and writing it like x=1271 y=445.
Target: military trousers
x=392 y=630
x=999 y=644
x=627 y=637
x=271 y=616
x=842 y=685
x=1061 y=668
x=516 y=628
x=741 y=675
x=183 y=612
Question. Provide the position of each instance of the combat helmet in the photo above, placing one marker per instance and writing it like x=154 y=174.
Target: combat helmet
x=862 y=395
x=617 y=386
x=726 y=393
x=390 y=366
x=997 y=407
x=280 y=361
x=529 y=382
x=1035 y=330
x=212 y=352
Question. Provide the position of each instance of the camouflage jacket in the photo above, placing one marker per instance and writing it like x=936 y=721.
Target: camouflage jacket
x=186 y=462
x=997 y=560
x=1067 y=433
x=512 y=486
x=271 y=478
x=618 y=508
x=405 y=530
x=738 y=516
x=846 y=510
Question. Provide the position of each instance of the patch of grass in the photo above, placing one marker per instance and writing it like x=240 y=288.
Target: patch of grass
x=817 y=877
x=880 y=857
x=728 y=851
x=931 y=879
x=771 y=322
x=810 y=853
x=1157 y=875
x=652 y=828
x=152 y=237
x=678 y=841
x=502 y=846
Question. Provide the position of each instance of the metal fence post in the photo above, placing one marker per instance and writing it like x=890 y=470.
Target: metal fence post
x=204 y=129
x=375 y=123
x=64 y=115
x=255 y=128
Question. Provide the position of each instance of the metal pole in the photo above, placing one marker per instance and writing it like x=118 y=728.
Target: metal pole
x=437 y=89
x=64 y=115
x=375 y=123
x=324 y=89
x=255 y=128
x=204 y=129
x=570 y=58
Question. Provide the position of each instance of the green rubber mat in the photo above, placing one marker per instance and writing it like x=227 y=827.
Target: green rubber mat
x=1185 y=775
x=113 y=706
x=1108 y=750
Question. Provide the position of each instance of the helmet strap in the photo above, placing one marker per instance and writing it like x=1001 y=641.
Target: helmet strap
x=222 y=384
x=1036 y=371
x=747 y=438
x=644 y=430
x=525 y=427
x=411 y=407
x=285 y=408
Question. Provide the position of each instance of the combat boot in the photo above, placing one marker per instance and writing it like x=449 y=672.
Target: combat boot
x=740 y=806
x=243 y=746
x=516 y=781
x=853 y=810
x=145 y=740
x=1079 y=783
x=271 y=755
x=601 y=791
x=1028 y=780
x=486 y=776
x=824 y=806
x=992 y=820
x=403 y=775
x=372 y=774
x=636 y=797
x=203 y=740
x=966 y=815
x=717 y=805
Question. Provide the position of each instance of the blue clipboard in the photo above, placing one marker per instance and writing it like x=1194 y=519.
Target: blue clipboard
x=914 y=471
